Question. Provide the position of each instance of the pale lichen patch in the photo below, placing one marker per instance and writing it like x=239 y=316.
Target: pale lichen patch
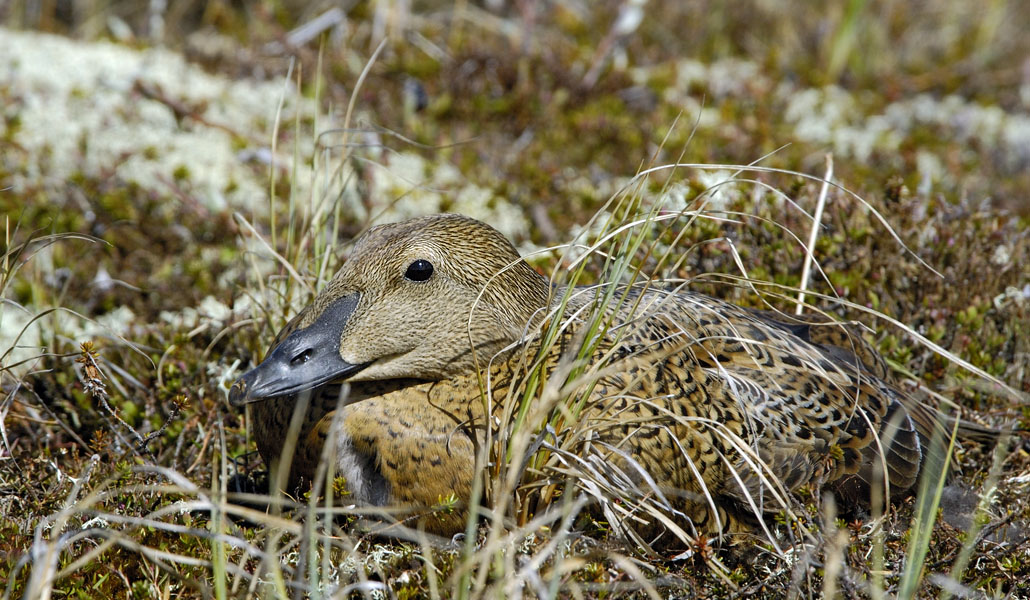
x=94 y=108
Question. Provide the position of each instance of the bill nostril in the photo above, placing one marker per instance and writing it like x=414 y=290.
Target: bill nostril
x=302 y=357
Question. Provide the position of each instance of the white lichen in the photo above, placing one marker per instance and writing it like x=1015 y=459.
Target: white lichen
x=97 y=108
x=405 y=185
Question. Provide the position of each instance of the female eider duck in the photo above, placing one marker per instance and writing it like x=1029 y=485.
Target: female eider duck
x=703 y=403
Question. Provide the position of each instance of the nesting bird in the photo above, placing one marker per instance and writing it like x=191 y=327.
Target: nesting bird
x=711 y=408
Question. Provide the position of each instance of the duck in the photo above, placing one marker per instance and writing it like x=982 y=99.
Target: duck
x=711 y=409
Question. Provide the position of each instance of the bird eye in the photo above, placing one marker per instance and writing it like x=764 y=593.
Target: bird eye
x=420 y=270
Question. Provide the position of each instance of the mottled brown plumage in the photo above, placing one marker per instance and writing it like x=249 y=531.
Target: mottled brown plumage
x=697 y=392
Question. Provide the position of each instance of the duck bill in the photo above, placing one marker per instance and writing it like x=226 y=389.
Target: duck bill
x=307 y=358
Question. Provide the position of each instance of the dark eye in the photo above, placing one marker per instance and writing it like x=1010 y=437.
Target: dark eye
x=420 y=270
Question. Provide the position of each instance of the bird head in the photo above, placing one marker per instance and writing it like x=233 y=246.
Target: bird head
x=415 y=300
